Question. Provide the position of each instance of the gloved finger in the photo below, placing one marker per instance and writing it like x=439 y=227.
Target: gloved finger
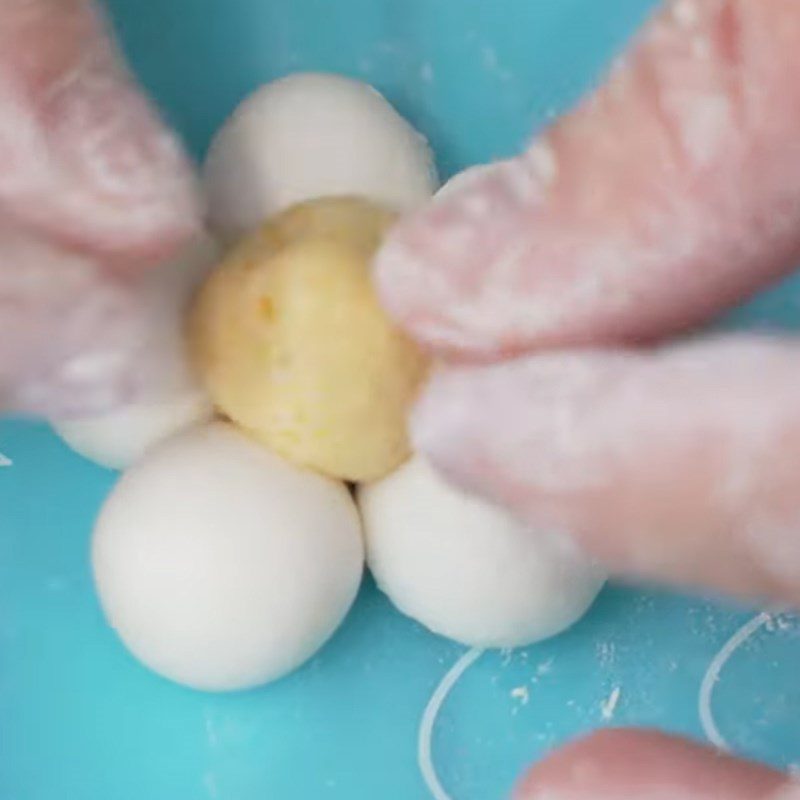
x=641 y=765
x=76 y=338
x=666 y=196
x=681 y=466
x=86 y=159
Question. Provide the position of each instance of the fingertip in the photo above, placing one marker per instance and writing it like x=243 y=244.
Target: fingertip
x=667 y=196
x=645 y=765
x=446 y=427
x=677 y=466
x=97 y=169
x=429 y=272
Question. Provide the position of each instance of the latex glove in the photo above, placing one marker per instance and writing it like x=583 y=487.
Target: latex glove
x=671 y=193
x=668 y=195
x=93 y=190
x=637 y=765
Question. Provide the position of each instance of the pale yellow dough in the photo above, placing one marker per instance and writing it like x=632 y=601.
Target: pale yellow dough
x=294 y=347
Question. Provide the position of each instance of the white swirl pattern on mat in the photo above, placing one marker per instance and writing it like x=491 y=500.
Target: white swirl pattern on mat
x=429 y=716
x=711 y=678
x=467 y=659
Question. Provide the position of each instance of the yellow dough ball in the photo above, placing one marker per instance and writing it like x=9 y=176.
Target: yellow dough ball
x=294 y=347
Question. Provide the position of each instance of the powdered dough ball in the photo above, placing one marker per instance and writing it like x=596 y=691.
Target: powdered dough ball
x=173 y=398
x=121 y=437
x=466 y=569
x=221 y=566
x=307 y=136
x=295 y=348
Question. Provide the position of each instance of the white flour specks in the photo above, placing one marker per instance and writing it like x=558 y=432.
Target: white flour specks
x=521 y=694
x=609 y=706
x=545 y=668
x=686 y=13
x=606 y=654
x=704 y=123
x=492 y=66
x=544 y=161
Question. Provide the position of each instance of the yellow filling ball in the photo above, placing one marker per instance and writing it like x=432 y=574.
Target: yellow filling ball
x=294 y=347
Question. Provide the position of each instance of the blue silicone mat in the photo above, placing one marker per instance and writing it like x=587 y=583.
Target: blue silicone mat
x=79 y=719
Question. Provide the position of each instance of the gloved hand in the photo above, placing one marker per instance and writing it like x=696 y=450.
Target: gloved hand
x=93 y=190
x=549 y=284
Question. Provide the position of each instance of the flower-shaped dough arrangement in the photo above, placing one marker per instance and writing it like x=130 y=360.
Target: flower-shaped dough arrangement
x=232 y=547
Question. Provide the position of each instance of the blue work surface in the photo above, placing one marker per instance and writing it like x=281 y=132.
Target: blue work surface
x=79 y=719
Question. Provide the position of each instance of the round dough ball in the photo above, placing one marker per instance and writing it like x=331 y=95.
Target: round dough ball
x=221 y=566
x=295 y=348
x=468 y=570
x=123 y=436
x=172 y=397
x=312 y=135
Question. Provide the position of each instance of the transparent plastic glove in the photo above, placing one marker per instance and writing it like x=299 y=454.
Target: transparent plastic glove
x=94 y=189
x=546 y=280
x=638 y=765
x=663 y=198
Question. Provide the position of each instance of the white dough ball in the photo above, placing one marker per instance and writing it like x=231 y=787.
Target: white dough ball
x=313 y=135
x=172 y=398
x=466 y=569
x=220 y=565
x=121 y=437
